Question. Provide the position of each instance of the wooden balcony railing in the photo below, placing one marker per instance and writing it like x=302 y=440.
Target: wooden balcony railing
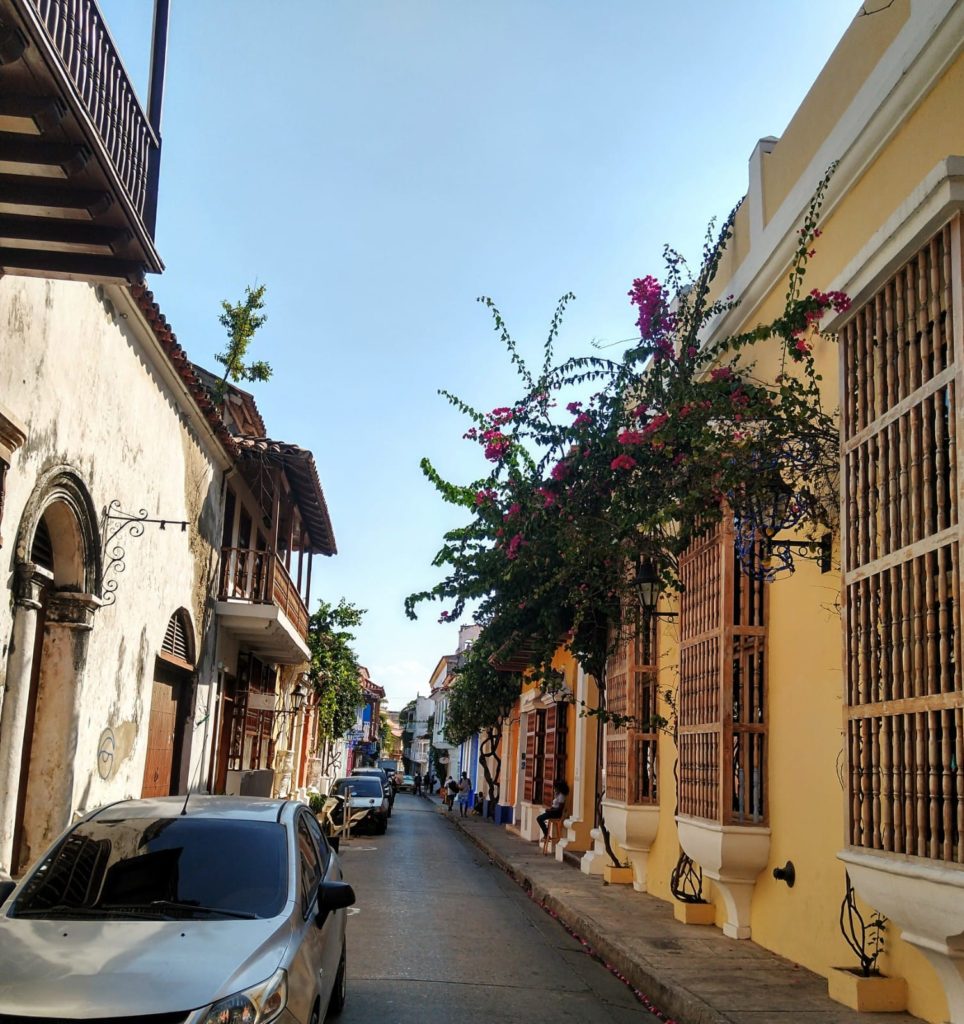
x=259 y=577
x=90 y=60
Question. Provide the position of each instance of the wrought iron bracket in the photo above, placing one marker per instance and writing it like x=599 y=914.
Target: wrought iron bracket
x=782 y=548
x=134 y=522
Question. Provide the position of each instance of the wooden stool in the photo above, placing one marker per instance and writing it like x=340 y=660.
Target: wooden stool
x=552 y=836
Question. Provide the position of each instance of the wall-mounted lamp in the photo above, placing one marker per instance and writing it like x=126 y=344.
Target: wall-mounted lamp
x=648 y=589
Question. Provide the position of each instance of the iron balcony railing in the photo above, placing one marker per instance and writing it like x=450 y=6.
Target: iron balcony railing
x=80 y=38
x=260 y=577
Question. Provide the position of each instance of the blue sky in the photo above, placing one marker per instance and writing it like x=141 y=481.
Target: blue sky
x=378 y=165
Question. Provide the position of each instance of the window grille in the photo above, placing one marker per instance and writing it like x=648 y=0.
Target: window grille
x=723 y=680
x=42 y=549
x=177 y=638
x=901 y=586
x=632 y=690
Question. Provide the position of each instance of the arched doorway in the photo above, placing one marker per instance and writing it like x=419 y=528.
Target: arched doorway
x=167 y=765
x=56 y=576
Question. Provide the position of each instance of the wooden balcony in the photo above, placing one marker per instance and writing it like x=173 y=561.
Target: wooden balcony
x=79 y=159
x=259 y=602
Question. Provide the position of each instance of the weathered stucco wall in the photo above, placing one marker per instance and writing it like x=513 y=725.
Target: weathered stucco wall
x=84 y=375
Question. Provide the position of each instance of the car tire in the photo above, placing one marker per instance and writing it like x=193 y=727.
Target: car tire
x=382 y=827
x=339 y=994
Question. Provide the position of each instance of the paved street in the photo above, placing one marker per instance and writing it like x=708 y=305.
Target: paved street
x=442 y=935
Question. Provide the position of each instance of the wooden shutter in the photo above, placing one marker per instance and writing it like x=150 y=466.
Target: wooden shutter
x=902 y=356
x=528 y=779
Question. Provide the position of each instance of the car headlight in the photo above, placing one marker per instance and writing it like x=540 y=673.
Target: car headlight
x=256 y=1005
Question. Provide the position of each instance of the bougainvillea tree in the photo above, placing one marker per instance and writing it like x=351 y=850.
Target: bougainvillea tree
x=599 y=465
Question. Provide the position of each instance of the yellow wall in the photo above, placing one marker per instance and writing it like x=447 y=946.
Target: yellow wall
x=805 y=702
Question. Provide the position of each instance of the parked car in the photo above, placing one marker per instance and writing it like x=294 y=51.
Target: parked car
x=387 y=782
x=210 y=909
x=368 y=794
x=407 y=784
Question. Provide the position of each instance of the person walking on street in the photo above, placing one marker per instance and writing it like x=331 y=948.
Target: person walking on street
x=451 y=791
x=418 y=783
x=465 y=796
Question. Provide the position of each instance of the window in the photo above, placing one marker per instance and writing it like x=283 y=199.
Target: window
x=722 y=688
x=150 y=867
x=901 y=562
x=631 y=674
x=309 y=866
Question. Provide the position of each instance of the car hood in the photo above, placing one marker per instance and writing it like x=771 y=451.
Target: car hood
x=80 y=968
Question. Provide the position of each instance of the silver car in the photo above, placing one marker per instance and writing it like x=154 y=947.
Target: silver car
x=220 y=910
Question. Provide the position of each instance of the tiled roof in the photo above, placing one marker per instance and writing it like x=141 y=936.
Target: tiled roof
x=181 y=363
x=299 y=465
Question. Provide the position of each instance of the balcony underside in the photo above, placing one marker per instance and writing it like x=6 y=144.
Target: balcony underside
x=264 y=630
x=75 y=200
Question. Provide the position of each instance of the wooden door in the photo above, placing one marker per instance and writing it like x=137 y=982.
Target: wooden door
x=161 y=731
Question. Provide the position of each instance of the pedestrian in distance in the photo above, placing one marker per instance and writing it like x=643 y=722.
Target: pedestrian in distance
x=465 y=796
x=418 y=783
x=451 y=792
x=560 y=790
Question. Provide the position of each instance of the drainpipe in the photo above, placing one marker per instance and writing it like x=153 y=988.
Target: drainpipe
x=155 y=99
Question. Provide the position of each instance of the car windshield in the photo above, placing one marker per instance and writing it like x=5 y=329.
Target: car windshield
x=361 y=785
x=162 y=868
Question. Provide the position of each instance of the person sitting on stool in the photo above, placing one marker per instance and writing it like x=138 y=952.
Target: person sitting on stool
x=560 y=790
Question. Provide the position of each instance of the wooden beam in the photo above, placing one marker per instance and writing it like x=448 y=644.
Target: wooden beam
x=30 y=195
x=23 y=154
x=31 y=115
x=71 y=266
x=61 y=235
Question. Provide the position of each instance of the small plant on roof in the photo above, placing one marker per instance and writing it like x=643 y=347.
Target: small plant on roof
x=242 y=321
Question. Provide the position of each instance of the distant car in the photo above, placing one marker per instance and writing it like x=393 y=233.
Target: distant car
x=367 y=794
x=210 y=909
x=408 y=784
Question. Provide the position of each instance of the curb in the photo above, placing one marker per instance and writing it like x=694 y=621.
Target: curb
x=672 y=1003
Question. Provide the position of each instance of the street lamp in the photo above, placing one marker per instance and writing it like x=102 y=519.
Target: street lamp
x=648 y=588
x=775 y=507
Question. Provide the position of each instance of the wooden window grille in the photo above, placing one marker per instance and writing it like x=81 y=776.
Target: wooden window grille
x=901 y=560
x=723 y=680
x=632 y=691
x=42 y=549
x=177 y=638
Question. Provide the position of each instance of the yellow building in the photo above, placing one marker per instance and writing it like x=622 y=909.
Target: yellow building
x=820 y=716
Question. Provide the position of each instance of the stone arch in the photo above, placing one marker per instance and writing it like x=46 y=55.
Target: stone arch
x=57 y=577
x=63 y=503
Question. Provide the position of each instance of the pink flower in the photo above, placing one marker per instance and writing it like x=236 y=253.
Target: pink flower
x=721 y=373
x=512 y=551
x=801 y=346
x=582 y=420
x=574 y=407
x=623 y=462
x=630 y=437
x=650 y=296
x=500 y=415
x=481 y=497
x=691 y=351
x=559 y=471
x=548 y=498
x=655 y=423
x=640 y=410
x=514 y=509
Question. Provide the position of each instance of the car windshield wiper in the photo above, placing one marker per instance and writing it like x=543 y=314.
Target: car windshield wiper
x=176 y=907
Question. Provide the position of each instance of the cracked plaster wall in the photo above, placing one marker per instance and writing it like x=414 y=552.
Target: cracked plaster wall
x=82 y=378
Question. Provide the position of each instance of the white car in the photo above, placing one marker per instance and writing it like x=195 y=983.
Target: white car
x=217 y=910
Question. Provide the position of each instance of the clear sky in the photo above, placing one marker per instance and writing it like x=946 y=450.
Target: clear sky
x=380 y=163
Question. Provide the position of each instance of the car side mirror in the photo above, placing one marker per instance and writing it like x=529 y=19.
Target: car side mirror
x=6 y=888
x=333 y=896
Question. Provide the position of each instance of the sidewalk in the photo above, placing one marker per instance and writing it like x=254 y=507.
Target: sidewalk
x=690 y=974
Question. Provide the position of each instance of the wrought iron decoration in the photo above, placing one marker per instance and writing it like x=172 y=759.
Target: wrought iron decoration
x=134 y=522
